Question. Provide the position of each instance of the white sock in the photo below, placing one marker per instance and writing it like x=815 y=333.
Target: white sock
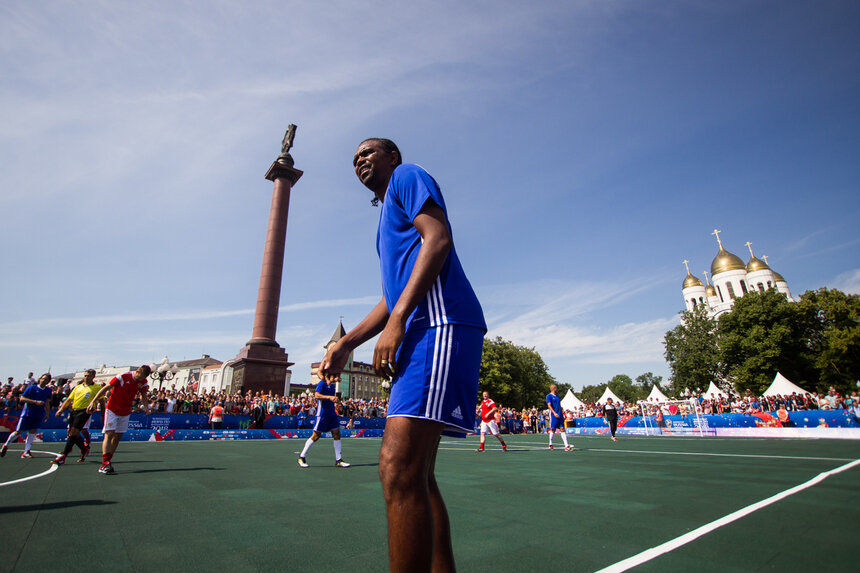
x=307 y=447
x=550 y=437
x=12 y=436
x=336 y=450
x=564 y=438
x=29 y=443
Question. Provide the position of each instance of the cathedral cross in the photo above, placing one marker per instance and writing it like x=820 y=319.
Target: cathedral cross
x=716 y=233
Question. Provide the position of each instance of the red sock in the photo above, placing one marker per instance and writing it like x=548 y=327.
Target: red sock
x=482 y=446
x=106 y=458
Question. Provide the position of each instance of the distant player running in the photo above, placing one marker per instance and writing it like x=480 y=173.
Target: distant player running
x=556 y=417
x=488 y=422
x=37 y=404
x=610 y=414
x=123 y=389
x=326 y=421
x=79 y=400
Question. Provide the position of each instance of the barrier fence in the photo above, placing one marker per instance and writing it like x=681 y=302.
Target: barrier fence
x=159 y=427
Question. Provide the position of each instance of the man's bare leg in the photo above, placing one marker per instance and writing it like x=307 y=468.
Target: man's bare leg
x=443 y=552
x=412 y=498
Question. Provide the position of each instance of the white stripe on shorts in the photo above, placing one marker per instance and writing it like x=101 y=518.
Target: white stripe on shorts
x=439 y=372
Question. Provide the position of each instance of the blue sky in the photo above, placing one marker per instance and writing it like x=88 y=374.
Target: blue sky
x=585 y=149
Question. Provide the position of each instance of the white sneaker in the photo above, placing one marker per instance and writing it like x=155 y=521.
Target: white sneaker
x=341 y=464
x=303 y=463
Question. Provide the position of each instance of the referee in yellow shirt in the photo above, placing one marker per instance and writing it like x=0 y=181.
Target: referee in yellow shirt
x=79 y=399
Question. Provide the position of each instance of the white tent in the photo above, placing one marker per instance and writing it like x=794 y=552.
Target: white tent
x=784 y=386
x=714 y=391
x=656 y=395
x=570 y=401
x=608 y=394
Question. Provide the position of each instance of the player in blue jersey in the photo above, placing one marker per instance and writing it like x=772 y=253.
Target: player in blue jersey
x=37 y=404
x=327 y=420
x=556 y=417
x=431 y=330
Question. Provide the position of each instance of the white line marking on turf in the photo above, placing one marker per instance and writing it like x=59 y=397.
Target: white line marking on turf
x=720 y=455
x=51 y=469
x=673 y=544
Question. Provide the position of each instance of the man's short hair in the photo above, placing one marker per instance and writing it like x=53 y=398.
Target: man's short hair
x=91 y=371
x=387 y=146
x=147 y=369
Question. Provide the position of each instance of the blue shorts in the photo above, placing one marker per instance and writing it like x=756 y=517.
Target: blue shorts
x=325 y=423
x=556 y=423
x=437 y=377
x=28 y=423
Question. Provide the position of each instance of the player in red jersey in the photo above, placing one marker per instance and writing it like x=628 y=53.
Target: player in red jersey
x=488 y=422
x=123 y=390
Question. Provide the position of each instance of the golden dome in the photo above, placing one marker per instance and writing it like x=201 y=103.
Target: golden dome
x=778 y=277
x=710 y=291
x=756 y=265
x=691 y=281
x=725 y=261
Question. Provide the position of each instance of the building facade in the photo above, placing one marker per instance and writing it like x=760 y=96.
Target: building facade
x=730 y=279
x=358 y=381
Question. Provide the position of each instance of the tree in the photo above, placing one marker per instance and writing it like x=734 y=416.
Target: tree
x=692 y=352
x=764 y=334
x=622 y=386
x=514 y=375
x=645 y=382
x=591 y=393
x=834 y=337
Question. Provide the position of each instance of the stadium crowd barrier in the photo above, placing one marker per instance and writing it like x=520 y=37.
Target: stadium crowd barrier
x=160 y=427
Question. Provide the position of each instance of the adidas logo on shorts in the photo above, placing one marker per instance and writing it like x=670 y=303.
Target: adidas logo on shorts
x=457 y=413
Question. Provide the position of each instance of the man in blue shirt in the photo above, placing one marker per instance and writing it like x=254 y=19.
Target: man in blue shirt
x=431 y=330
x=37 y=403
x=327 y=420
x=556 y=417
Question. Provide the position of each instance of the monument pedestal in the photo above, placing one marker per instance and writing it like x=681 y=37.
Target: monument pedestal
x=261 y=366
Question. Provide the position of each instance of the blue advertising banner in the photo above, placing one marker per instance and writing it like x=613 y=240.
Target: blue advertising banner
x=158 y=427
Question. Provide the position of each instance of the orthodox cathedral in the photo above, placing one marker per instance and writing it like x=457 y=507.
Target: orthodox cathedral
x=731 y=279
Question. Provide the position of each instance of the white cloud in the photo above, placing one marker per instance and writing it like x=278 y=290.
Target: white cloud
x=69 y=322
x=553 y=317
x=848 y=282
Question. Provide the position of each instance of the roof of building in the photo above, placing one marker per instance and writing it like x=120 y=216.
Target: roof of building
x=205 y=360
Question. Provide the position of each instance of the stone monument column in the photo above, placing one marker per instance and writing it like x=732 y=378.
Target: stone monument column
x=262 y=364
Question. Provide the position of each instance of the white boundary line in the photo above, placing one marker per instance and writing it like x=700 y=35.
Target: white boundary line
x=673 y=544
x=720 y=455
x=50 y=470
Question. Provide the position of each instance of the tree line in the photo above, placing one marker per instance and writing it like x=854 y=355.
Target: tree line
x=517 y=377
x=814 y=342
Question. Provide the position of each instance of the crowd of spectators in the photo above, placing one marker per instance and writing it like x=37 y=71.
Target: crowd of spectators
x=531 y=420
x=179 y=401
x=534 y=420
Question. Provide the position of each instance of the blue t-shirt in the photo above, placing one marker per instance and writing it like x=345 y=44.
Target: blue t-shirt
x=556 y=405
x=451 y=299
x=325 y=407
x=33 y=392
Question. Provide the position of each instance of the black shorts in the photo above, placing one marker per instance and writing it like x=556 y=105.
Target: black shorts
x=78 y=419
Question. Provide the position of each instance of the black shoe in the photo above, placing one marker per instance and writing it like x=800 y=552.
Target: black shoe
x=3 y=449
